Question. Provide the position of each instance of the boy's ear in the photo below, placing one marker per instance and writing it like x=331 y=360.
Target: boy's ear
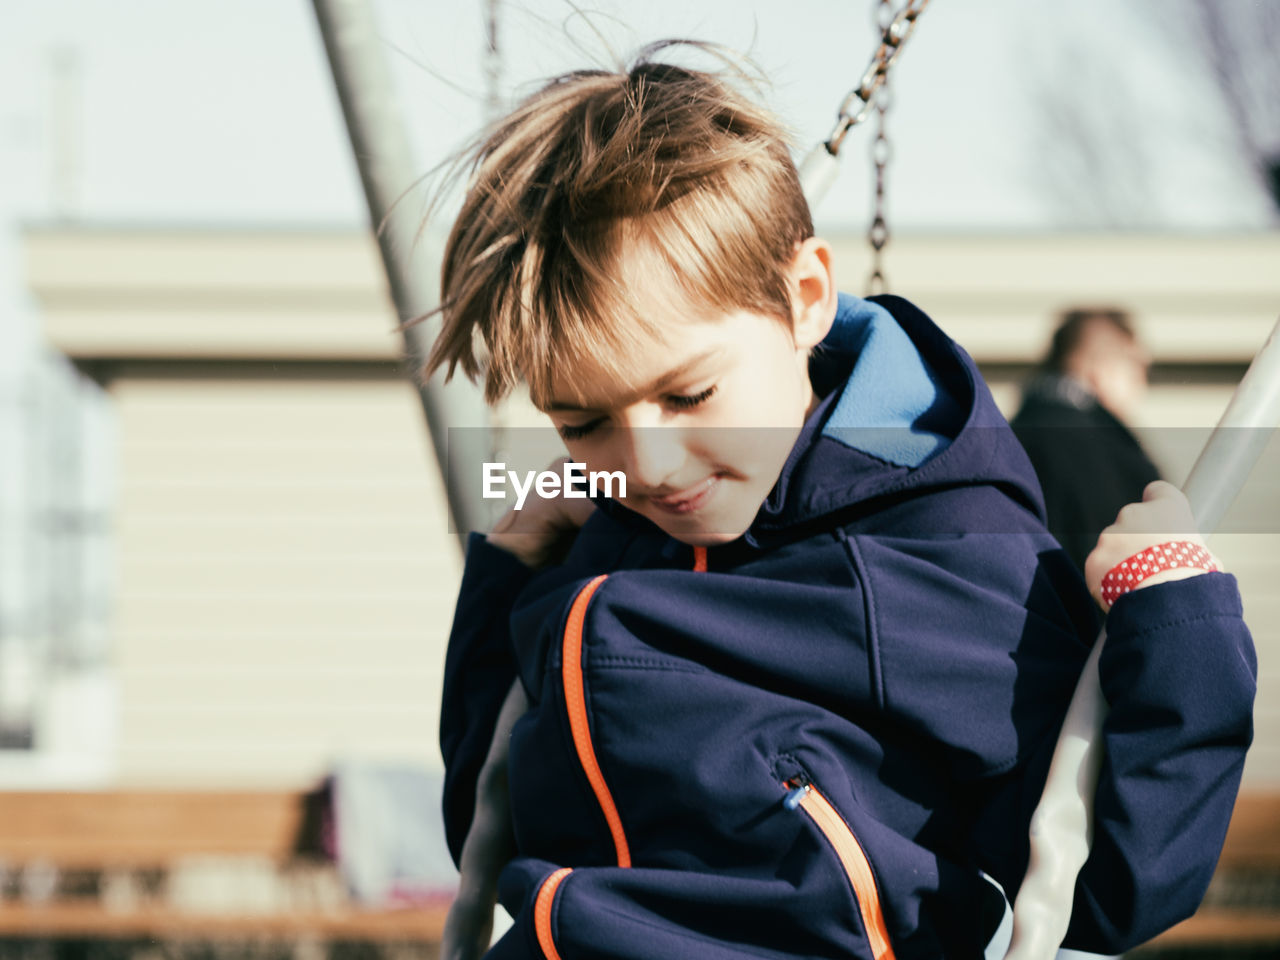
x=813 y=293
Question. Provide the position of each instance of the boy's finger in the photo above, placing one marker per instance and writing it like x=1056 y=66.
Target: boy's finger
x=1160 y=490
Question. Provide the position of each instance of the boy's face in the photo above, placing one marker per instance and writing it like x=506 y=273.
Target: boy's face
x=707 y=410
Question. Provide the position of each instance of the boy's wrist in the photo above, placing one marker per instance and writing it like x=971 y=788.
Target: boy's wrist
x=1157 y=563
x=1140 y=612
x=1164 y=576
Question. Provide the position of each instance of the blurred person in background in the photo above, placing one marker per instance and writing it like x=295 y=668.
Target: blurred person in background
x=1073 y=424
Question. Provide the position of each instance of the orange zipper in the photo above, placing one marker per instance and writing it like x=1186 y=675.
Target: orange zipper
x=576 y=704
x=803 y=794
x=542 y=912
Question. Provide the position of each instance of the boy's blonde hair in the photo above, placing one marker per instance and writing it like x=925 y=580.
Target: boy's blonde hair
x=594 y=163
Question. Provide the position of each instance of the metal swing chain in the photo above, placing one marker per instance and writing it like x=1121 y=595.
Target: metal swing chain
x=871 y=93
x=857 y=104
x=881 y=153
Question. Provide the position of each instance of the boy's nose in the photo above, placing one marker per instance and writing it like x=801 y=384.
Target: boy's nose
x=652 y=456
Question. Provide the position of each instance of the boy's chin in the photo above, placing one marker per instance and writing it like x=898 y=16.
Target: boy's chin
x=703 y=531
x=727 y=517
x=706 y=539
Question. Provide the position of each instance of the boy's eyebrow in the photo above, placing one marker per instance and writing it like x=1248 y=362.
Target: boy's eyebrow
x=657 y=385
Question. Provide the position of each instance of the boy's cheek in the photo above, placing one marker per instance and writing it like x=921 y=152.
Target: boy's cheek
x=749 y=456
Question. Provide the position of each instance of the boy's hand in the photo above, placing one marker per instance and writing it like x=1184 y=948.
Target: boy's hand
x=541 y=533
x=1164 y=514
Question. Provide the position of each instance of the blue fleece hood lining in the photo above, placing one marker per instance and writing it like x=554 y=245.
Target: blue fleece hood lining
x=891 y=391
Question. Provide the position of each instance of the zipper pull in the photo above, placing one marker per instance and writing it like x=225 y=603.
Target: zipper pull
x=799 y=786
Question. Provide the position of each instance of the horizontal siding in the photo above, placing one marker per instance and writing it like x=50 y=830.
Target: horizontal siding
x=1195 y=298
x=319 y=295
x=151 y=262
x=253 y=762
x=111 y=294
x=260 y=646
x=286 y=579
x=1254 y=558
x=991 y=334
x=1200 y=269
x=234 y=330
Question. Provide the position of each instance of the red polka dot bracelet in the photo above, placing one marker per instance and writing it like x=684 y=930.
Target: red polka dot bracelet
x=1173 y=555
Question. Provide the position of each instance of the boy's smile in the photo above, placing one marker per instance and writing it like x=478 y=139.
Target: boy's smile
x=707 y=411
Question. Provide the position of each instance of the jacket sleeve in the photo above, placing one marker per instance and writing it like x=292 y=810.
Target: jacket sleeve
x=1178 y=672
x=478 y=672
x=988 y=672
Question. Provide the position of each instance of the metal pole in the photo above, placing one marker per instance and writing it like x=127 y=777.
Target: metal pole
x=1062 y=825
x=387 y=171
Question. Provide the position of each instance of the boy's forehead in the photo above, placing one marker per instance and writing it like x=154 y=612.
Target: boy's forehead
x=639 y=370
x=662 y=338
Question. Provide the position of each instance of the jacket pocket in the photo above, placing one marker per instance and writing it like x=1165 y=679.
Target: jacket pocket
x=803 y=795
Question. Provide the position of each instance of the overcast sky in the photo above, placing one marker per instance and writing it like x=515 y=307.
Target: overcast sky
x=223 y=113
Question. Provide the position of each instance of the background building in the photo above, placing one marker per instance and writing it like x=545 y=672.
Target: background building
x=282 y=566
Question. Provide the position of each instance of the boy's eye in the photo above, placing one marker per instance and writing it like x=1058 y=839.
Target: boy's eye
x=571 y=432
x=692 y=400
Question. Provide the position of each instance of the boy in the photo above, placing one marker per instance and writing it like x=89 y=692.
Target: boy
x=795 y=694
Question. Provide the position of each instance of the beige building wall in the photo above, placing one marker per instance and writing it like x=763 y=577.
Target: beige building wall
x=1197 y=299
x=285 y=573
x=286 y=576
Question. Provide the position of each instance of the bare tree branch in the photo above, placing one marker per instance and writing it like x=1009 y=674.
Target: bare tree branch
x=1092 y=149
x=1235 y=43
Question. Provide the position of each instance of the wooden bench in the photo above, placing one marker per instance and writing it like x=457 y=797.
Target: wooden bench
x=1249 y=870
x=134 y=832
x=130 y=848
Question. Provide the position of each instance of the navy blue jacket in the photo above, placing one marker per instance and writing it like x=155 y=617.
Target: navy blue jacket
x=814 y=747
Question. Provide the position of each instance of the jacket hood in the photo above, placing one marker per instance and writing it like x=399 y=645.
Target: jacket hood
x=905 y=409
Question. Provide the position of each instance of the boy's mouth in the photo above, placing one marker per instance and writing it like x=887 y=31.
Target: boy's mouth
x=688 y=499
